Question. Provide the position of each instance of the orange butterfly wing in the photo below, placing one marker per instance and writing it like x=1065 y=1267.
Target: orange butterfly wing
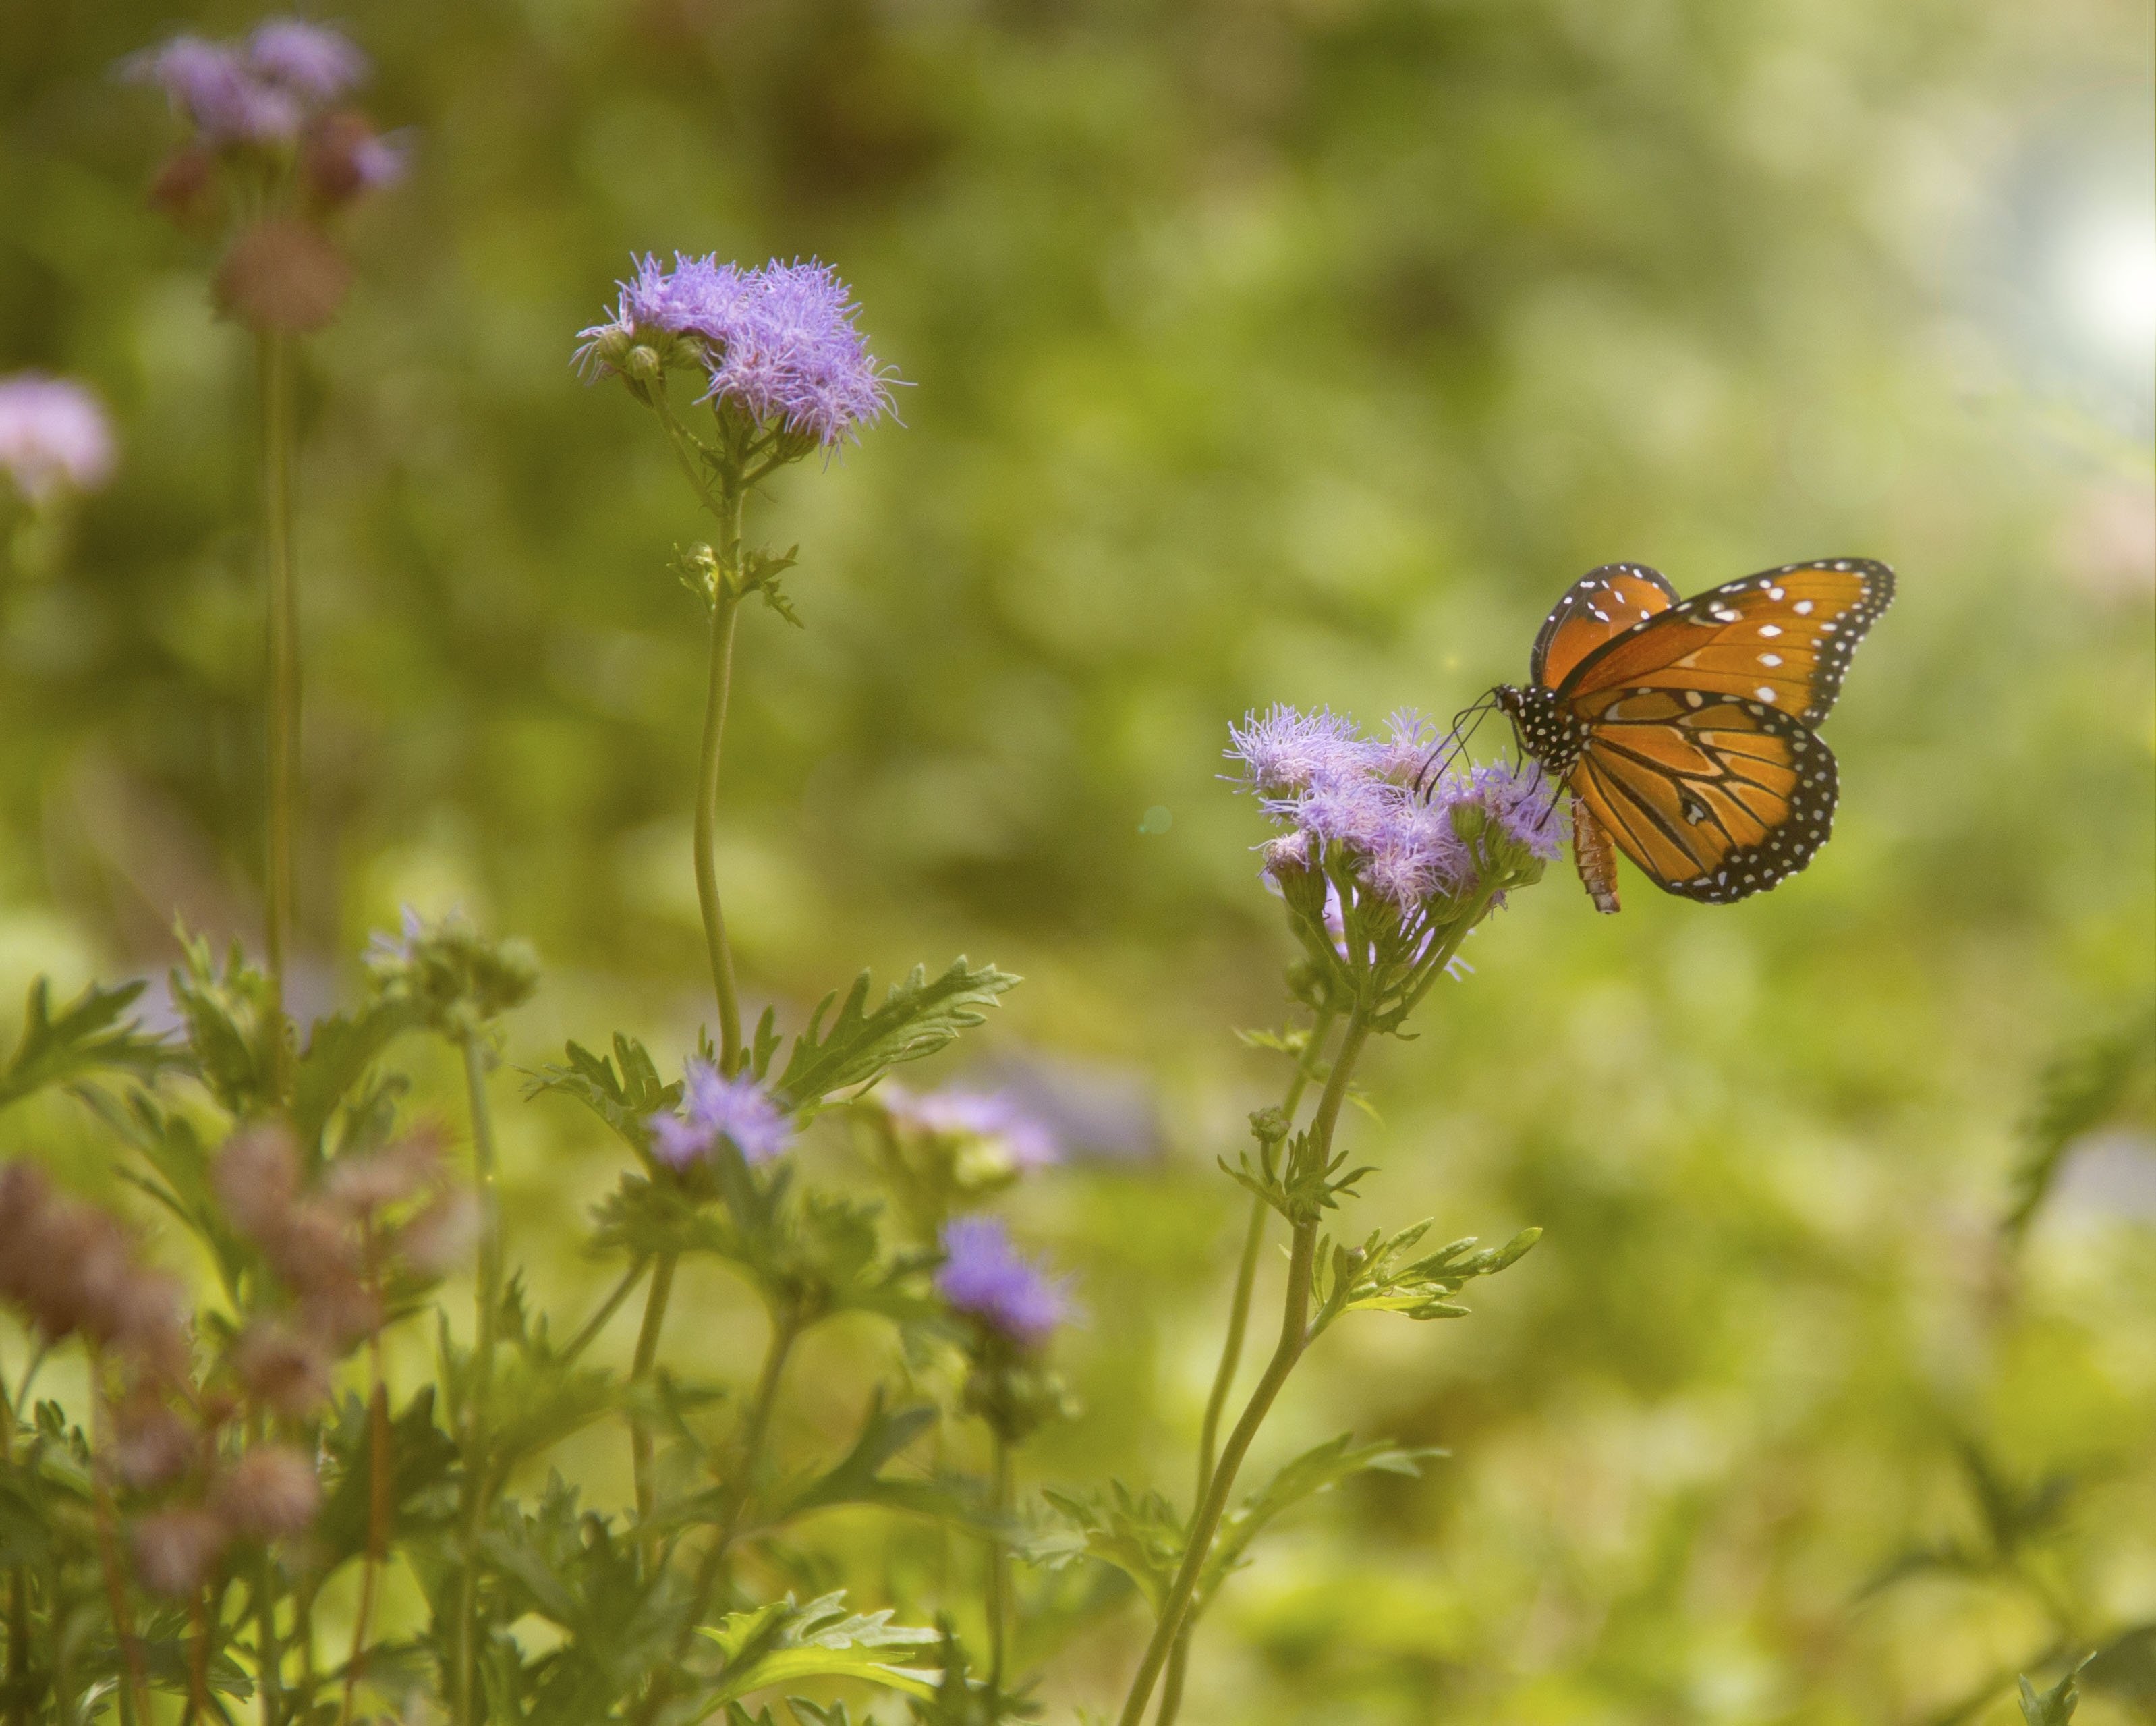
x=1715 y=796
x=1602 y=604
x=1783 y=638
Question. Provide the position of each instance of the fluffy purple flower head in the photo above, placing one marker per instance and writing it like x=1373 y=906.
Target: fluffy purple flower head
x=779 y=342
x=979 y=1114
x=315 y=62
x=987 y=1279
x=218 y=93
x=738 y=1110
x=1286 y=750
x=1524 y=801
x=53 y=436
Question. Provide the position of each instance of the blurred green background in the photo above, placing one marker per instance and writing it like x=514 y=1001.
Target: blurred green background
x=1259 y=349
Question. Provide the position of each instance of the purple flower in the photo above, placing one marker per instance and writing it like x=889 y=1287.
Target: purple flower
x=1525 y=802
x=987 y=1279
x=53 y=436
x=1288 y=750
x=978 y=1114
x=780 y=343
x=218 y=93
x=311 y=61
x=738 y=1110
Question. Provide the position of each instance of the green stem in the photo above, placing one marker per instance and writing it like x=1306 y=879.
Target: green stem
x=999 y=1579
x=785 y=1331
x=1246 y=1271
x=607 y=1308
x=477 y=1467
x=725 y=611
x=270 y=1659
x=277 y=440
x=1295 y=1324
x=19 y=1592
x=640 y=1429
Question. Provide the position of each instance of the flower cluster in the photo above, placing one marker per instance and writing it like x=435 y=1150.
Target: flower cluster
x=456 y=980
x=1393 y=803
x=777 y=345
x=53 y=437
x=265 y=92
x=70 y=1267
x=328 y=1243
x=713 y=1107
x=270 y=143
x=1393 y=849
x=986 y=1279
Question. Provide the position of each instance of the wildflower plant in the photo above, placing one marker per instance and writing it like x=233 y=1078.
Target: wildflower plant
x=259 y=1472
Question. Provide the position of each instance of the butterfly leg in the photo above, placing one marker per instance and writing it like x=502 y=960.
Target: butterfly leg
x=1597 y=858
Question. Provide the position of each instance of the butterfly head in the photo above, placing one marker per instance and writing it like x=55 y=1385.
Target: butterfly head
x=1546 y=729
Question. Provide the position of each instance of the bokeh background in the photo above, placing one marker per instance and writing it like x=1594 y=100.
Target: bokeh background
x=1258 y=350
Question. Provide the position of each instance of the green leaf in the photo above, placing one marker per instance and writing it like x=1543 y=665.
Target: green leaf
x=422 y=1460
x=233 y=1028
x=340 y=1049
x=918 y=1017
x=858 y=1477
x=88 y=1036
x=779 y=1643
x=2108 y=1077
x=1315 y=1471
x=624 y=1100
x=2054 y=1707
x=1139 y=1533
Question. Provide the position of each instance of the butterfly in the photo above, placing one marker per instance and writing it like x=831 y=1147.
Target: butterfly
x=1685 y=728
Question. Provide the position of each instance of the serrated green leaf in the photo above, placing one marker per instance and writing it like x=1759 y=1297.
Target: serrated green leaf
x=780 y=1643
x=2054 y=1707
x=918 y=1017
x=624 y=1099
x=340 y=1049
x=88 y=1036
x=1317 y=1470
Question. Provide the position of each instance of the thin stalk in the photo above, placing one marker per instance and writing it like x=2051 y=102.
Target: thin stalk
x=132 y=1705
x=269 y=1657
x=725 y=611
x=785 y=1331
x=607 y=1308
x=477 y=1468
x=197 y=1658
x=377 y=1507
x=18 y=1593
x=1295 y=1324
x=640 y=1429
x=277 y=441
x=999 y=1578
x=1246 y=1271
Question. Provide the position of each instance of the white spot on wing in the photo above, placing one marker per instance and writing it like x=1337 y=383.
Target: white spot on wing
x=1767 y=693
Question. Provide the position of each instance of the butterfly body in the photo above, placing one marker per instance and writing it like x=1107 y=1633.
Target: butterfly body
x=1684 y=727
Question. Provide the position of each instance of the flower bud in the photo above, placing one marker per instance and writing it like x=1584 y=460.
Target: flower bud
x=282 y=1369
x=281 y=274
x=442 y=1236
x=175 y=1550
x=152 y=1446
x=272 y=1492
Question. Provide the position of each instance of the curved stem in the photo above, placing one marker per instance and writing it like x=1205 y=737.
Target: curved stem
x=785 y=1331
x=607 y=1308
x=726 y=611
x=639 y=1430
x=1246 y=1271
x=284 y=727
x=1295 y=1320
x=999 y=1579
x=487 y=1319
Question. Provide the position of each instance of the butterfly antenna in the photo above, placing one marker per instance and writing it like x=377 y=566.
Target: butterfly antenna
x=1464 y=724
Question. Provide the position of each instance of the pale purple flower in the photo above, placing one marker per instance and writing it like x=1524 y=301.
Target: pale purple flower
x=380 y=161
x=987 y=1279
x=399 y=947
x=738 y=1109
x=312 y=61
x=53 y=436
x=779 y=342
x=978 y=1114
x=1525 y=802
x=1286 y=750
x=215 y=88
